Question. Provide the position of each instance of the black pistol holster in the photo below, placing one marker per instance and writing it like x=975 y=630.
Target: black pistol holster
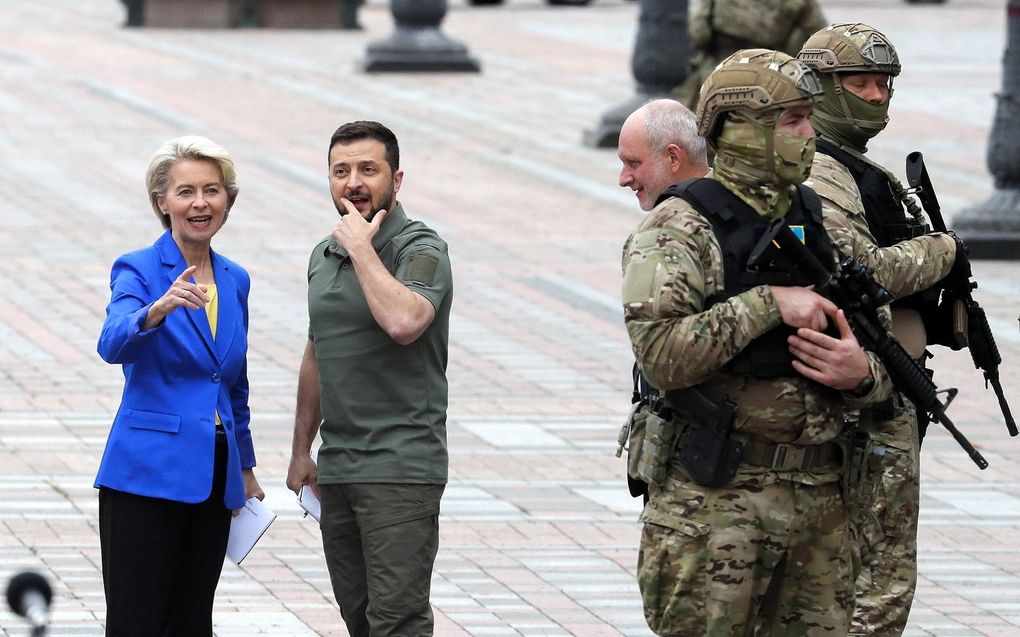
x=705 y=450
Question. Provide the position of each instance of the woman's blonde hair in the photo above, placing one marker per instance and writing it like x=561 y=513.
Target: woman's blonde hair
x=193 y=147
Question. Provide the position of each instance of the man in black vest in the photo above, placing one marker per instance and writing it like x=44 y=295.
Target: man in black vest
x=857 y=65
x=757 y=542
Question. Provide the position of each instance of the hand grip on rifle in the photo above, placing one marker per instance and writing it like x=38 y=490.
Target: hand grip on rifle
x=849 y=289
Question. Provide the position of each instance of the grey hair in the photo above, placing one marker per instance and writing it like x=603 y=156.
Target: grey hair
x=189 y=147
x=670 y=122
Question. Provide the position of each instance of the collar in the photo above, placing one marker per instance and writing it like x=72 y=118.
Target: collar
x=391 y=226
x=169 y=251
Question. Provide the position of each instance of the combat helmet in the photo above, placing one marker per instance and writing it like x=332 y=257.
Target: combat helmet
x=842 y=49
x=754 y=82
x=850 y=47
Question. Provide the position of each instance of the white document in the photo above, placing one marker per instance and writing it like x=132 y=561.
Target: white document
x=307 y=501
x=306 y=497
x=247 y=527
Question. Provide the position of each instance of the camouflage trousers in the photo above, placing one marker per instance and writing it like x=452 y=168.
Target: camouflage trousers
x=887 y=550
x=755 y=559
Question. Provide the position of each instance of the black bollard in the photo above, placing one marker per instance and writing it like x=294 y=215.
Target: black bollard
x=418 y=44
x=992 y=229
x=349 y=15
x=662 y=53
x=248 y=13
x=135 y=13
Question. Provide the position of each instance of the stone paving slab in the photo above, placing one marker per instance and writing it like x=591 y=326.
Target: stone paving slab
x=538 y=536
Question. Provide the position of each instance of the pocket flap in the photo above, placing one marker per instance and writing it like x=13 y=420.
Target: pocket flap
x=683 y=525
x=170 y=423
x=679 y=507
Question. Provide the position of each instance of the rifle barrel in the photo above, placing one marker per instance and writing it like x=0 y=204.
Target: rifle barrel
x=974 y=454
x=993 y=379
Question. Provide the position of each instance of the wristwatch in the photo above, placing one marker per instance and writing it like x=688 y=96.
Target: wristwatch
x=864 y=387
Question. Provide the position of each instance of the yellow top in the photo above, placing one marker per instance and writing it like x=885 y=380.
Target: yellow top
x=212 y=312
x=212 y=308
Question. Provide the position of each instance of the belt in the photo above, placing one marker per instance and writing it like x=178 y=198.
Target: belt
x=789 y=457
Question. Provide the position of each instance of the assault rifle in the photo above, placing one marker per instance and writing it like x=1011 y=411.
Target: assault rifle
x=854 y=290
x=970 y=324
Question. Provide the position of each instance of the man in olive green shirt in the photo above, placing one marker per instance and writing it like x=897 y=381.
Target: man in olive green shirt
x=374 y=376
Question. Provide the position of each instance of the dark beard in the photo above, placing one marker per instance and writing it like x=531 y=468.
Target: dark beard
x=389 y=198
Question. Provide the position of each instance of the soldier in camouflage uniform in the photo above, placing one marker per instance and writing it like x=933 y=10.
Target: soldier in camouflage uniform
x=720 y=27
x=659 y=146
x=766 y=551
x=857 y=65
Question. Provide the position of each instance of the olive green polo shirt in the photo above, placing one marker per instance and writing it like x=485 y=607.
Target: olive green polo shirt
x=383 y=404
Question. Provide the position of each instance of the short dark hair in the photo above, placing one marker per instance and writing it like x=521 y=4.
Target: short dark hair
x=364 y=129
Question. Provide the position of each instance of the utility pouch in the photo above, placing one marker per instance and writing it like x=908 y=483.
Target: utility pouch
x=632 y=437
x=708 y=456
x=861 y=480
x=862 y=474
x=657 y=447
x=856 y=469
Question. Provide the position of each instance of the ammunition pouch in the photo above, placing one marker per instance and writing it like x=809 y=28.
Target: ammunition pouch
x=631 y=439
x=857 y=444
x=657 y=447
x=860 y=483
x=643 y=455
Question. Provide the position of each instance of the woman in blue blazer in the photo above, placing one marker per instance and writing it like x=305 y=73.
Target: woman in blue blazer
x=179 y=456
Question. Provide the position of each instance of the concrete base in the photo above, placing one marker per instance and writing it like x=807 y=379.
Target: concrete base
x=992 y=229
x=418 y=49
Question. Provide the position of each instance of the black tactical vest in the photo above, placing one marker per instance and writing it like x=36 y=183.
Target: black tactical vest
x=738 y=228
x=888 y=222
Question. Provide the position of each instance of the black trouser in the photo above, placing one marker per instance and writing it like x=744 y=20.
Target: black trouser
x=162 y=559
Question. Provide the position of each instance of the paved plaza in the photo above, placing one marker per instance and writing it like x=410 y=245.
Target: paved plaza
x=538 y=533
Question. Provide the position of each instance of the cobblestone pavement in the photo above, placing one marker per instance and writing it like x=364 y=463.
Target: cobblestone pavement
x=538 y=534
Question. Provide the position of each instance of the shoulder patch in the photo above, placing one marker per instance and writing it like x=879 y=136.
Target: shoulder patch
x=421 y=268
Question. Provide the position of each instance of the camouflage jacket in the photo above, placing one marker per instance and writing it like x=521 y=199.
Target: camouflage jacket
x=721 y=27
x=904 y=268
x=724 y=26
x=671 y=264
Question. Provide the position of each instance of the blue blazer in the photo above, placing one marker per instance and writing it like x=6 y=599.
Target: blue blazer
x=176 y=376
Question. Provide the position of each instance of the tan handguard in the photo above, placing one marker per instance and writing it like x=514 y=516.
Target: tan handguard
x=960 y=326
